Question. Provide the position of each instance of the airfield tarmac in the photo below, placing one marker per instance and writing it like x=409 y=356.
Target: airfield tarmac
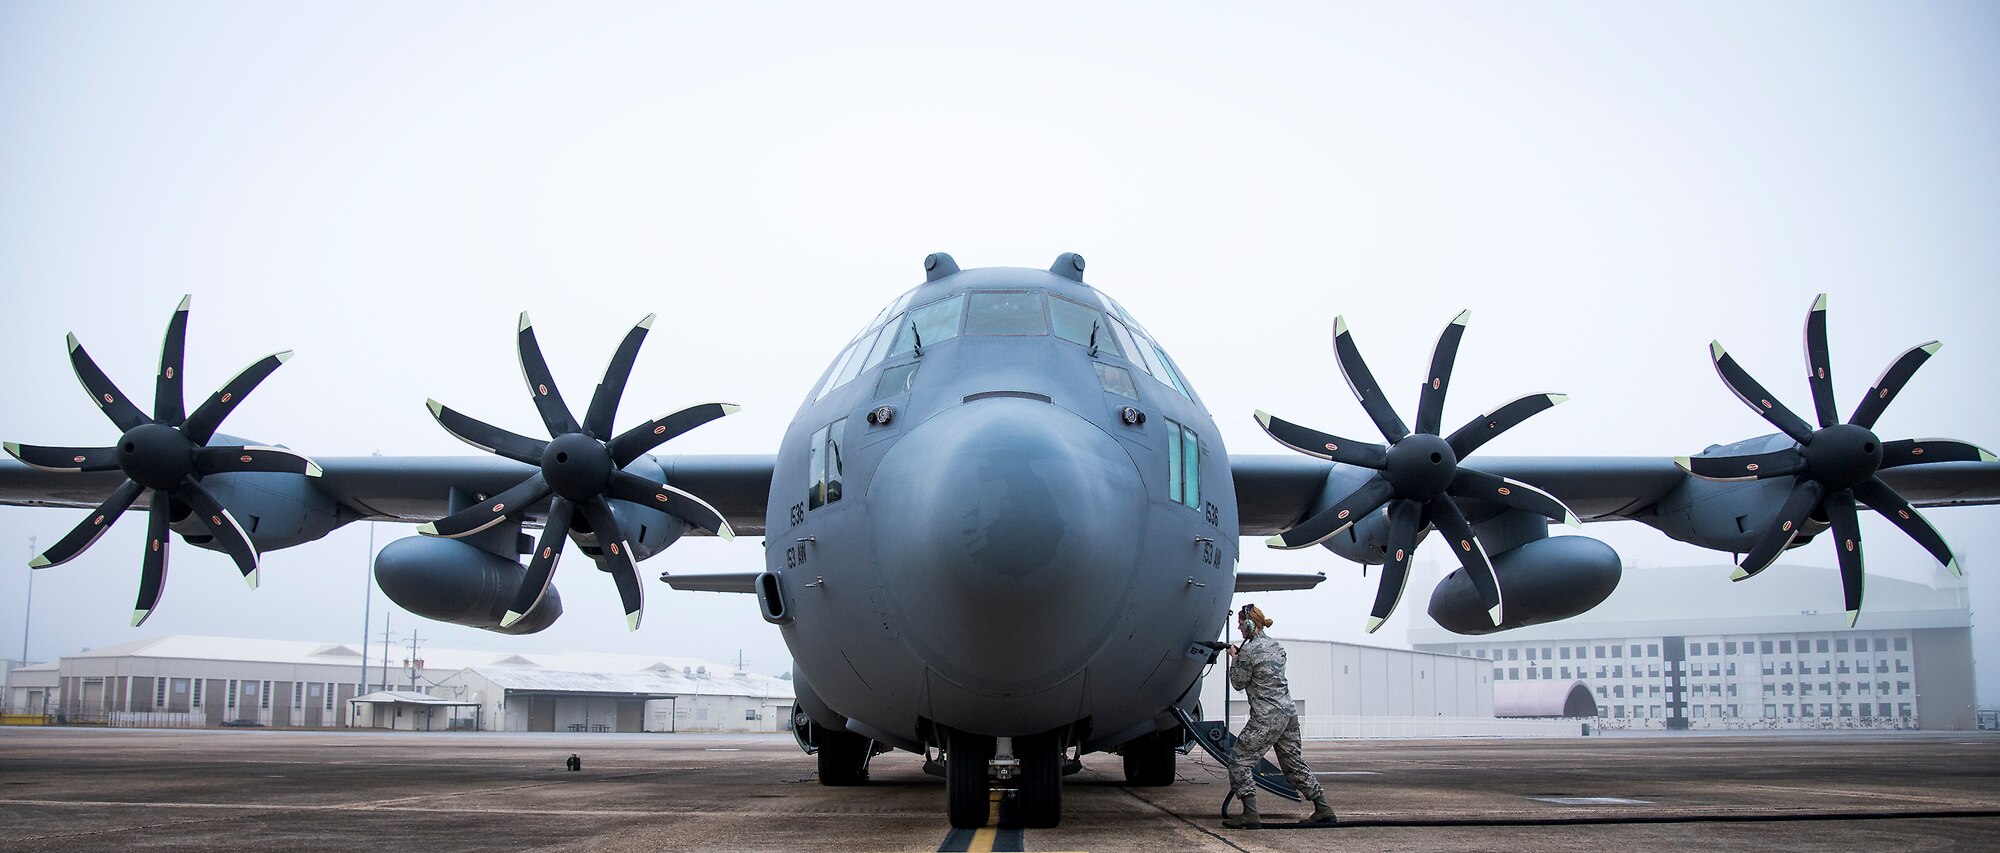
x=84 y=789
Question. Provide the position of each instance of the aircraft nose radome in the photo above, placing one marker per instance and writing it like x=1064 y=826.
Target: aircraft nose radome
x=1008 y=532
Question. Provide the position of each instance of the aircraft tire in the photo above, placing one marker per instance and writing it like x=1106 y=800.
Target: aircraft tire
x=1149 y=760
x=843 y=758
x=1041 y=779
x=967 y=792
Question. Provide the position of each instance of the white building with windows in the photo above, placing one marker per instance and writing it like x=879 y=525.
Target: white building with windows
x=1686 y=648
x=194 y=681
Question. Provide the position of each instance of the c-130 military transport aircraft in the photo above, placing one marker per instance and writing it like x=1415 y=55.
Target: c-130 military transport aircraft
x=998 y=440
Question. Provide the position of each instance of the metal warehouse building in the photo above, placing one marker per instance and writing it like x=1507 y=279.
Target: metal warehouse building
x=1349 y=690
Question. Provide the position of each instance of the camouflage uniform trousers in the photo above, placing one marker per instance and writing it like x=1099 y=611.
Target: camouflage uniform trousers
x=1262 y=733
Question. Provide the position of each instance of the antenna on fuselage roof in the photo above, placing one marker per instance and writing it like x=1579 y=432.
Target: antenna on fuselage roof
x=1069 y=265
x=937 y=265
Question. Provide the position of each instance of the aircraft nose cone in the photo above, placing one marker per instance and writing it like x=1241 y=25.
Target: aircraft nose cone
x=1009 y=533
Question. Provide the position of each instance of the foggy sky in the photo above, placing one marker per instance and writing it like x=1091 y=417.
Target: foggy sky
x=382 y=187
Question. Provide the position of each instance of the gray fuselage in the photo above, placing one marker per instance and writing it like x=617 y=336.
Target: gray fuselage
x=1008 y=554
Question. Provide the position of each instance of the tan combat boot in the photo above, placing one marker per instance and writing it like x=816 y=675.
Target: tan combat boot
x=1322 y=813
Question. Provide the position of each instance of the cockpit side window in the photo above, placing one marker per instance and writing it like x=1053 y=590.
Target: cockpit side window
x=1006 y=312
x=823 y=465
x=929 y=324
x=1084 y=325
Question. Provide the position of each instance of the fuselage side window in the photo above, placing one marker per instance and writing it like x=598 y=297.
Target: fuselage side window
x=1116 y=380
x=929 y=325
x=1082 y=324
x=823 y=466
x=1006 y=312
x=896 y=379
x=1173 y=461
x=1183 y=465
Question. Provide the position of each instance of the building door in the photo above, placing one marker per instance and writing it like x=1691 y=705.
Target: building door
x=631 y=715
x=541 y=713
x=93 y=696
x=177 y=695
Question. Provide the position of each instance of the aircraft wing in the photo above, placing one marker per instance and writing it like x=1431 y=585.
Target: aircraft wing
x=1275 y=492
x=418 y=488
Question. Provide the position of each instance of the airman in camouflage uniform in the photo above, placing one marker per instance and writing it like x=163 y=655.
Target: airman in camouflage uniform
x=1257 y=668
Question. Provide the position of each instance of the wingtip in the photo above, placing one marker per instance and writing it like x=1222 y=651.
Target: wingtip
x=508 y=620
x=139 y=616
x=648 y=322
x=1375 y=622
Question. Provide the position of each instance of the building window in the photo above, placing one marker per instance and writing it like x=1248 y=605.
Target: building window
x=1652 y=650
x=229 y=699
x=1903 y=645
x=1822 y=646
x=329 y=697
x=298 y=694
x=264 y=695
x=160 y=692
x=197 y=691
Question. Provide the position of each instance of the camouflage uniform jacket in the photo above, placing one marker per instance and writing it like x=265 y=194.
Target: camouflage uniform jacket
x=1259 y=671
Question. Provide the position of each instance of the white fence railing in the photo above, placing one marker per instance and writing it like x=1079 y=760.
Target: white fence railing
x=1333 y=728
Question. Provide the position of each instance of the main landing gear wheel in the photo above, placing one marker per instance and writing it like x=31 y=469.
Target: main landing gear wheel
x=968 y=796
x=843 y=758
x=1149 y=760
x=1041 y=779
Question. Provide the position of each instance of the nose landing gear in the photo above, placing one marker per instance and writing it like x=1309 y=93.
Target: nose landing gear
x=1035 y=769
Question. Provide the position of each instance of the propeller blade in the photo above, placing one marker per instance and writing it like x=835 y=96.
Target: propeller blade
x=487 y=437
x=1891 y=383
x=103 y=391
x=1334 y=519
x=542 y=566
x=1406 y=519
x=604 y=401
x=1312 y=442
x=617 y=559
x=541 y=383
x=169 y=401
x=627 y=486
x=65 y=458
x=1753 y=395
x=1819 y=364
x=1444 y=512
x=1923 y=451
x=1482 y=429
x=153 y=570
x=1363 y=383
x=491 y=511
x=222 y=526
x=1430 y=404
x=1805 y=497
x=230 y=459
x=1883 y=499
x=1847 y=547
x=93 y=526
x=637 y=441
x=1514 y=494
x=1758 y=466
x=200 y=426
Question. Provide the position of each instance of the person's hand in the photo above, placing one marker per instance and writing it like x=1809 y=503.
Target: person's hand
x=1232 y=650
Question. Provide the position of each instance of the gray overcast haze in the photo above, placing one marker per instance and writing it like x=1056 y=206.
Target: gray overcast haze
x=383 y=186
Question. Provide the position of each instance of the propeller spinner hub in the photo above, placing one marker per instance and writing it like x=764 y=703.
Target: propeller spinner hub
x=1420 y=466
x=577 y=466
x=156 y=456
x=1843 y=456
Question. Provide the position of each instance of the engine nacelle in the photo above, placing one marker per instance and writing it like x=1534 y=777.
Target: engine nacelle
x=275 y=510
x=1540 y=581
x=451 y=581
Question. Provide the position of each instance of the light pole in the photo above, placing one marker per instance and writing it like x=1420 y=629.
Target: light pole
x=367 y=601
x=28 y=610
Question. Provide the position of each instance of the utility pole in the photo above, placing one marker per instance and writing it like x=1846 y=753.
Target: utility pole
x=28 y=611
x=385 y=649
x=414 y=661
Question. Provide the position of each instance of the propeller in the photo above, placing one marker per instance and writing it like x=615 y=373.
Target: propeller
x=1418 y=475
x=583 y=467
x=167 y=453
x=1834 y=464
